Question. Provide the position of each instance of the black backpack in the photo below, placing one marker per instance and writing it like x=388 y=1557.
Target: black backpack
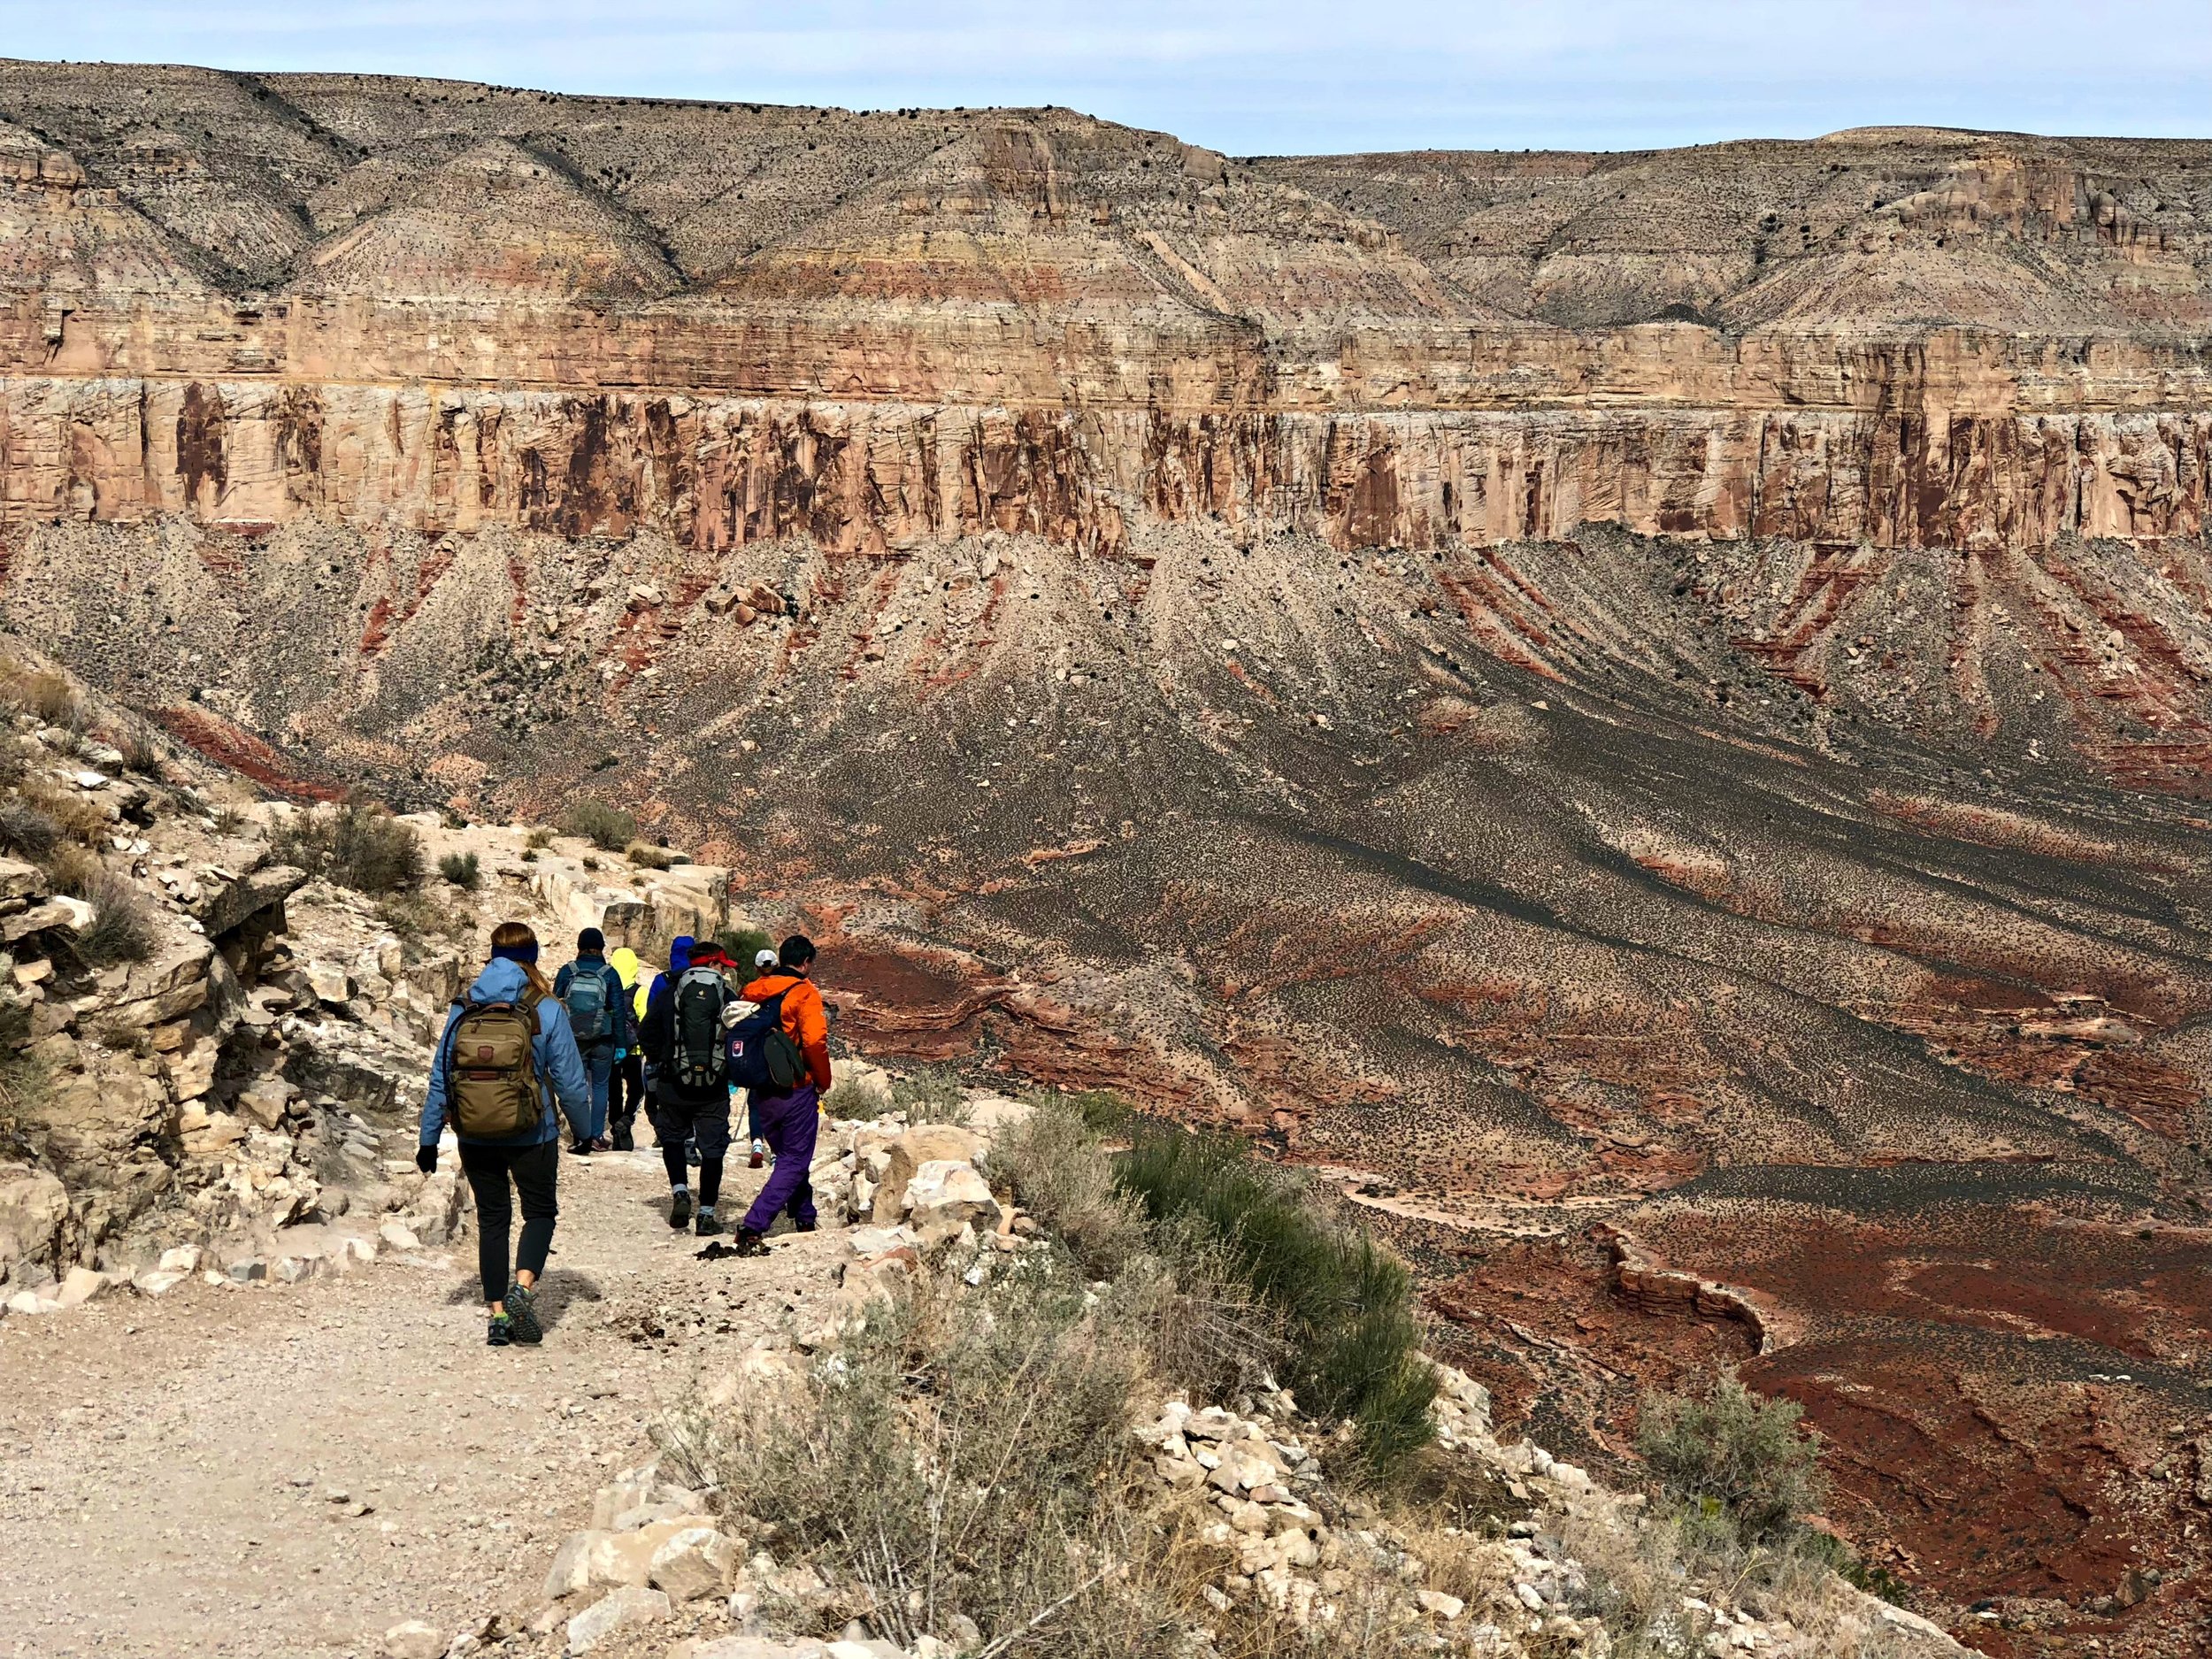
x=762 y=1053
x=697 y=1058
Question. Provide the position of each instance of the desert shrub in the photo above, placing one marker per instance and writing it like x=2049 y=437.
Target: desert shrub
x=645 y=855
x=415 y=915
x=140 y=753
x=961 y=1458
x=1635 y=1567
x=122 y=926
x=1206 y=1330
x=463 y=870
x=74 y=812
x=1347 y=1303
x=931 y=1094
x=743 y=944
x=26 y=830
x=1060 y=1173
x=1730 y=1457
x=1101 y=1109
x=228 y=820
x=360 y=845
x=41 y=692
x=22 y=1074
x=605 y=827
x=538 y=838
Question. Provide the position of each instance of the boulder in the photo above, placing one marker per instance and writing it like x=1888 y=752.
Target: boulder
x=924 y=1143
x=996 y=1113
x=600 y=1558
x=694 y=1564
x=945 y=1194
x=332 y=985
x=225 y=901
x=624 y=1608
x=158 y=1283
x=33 y=1207
x=19 y=881
x=80 y=1285
x=748 y=1648
x=72 y=915
x=414 y=1639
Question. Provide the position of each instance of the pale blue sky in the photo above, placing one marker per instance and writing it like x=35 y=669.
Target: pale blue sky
x=1252 y=78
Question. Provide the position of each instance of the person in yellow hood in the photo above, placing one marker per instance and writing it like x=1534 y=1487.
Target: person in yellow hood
x=628 y=1090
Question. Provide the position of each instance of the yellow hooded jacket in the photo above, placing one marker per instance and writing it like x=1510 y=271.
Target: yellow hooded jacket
x=625 y=964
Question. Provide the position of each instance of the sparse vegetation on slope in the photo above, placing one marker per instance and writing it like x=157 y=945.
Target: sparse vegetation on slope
x=607 y=828
x=358 y=845
x=1347 y=1304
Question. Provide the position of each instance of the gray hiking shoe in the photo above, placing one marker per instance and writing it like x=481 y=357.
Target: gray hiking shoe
x=680 y=1211
x=522 y=1315
x=709 y=1224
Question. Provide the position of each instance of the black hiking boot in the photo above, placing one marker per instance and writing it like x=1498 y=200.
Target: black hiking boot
x=501 y=1331
x=622 y=1139
x=680 y=1211
x=709 y=1224
x=580 y=1149
x=522 y=1315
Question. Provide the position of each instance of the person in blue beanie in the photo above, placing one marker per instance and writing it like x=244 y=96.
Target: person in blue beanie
x=599 y=1019
x=505 y=1061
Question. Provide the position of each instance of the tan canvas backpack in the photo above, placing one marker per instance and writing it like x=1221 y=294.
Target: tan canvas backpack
x=494 y=1081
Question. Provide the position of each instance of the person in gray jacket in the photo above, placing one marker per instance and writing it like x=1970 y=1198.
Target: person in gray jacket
x=529 y=1157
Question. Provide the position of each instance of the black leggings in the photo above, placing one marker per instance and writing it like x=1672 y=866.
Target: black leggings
x=534 y=1169
x=626 y=1093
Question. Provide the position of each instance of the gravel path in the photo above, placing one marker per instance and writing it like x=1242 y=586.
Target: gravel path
x=172 y=1471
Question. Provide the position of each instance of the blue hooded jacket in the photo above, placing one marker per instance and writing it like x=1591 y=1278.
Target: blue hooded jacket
x=561 y=1073
x=678 y=958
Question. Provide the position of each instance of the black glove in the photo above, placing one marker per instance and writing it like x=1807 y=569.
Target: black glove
x=426 y=1160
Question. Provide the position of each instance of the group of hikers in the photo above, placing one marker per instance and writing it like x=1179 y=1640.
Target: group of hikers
x=519 y=1052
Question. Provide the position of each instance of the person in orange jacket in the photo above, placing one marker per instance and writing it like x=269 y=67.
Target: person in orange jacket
x=788 y=1122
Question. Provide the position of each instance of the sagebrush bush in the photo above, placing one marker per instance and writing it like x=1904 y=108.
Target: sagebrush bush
x=122 y=927
x=464 y=871
x=26 y=830
x=41 y=692
x=962 y=1457
x=1729 y=1451
x=1347 y=1304
x=606 y=827
x=1060 y=1173
x=359 y=845
x=645 y=855
x=743 y=944
x=931 y=1094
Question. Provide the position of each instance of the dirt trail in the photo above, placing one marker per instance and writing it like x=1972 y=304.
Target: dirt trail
x=168 y=1470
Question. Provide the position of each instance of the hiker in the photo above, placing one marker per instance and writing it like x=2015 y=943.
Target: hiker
x=505 y=1058
x=599 y=1015
x=626 y=1090
x=684 y=1038
x=789 y=1113
x=763 y=960
x=678 y=958
x=679 y=950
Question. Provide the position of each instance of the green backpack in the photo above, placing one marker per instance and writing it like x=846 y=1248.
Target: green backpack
x=492 y=1077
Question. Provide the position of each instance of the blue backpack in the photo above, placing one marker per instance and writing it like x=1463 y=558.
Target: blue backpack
x=585 y=1000
x=762 y=1053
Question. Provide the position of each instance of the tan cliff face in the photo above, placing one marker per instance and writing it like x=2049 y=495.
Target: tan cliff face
x=1668 y=688
x=247 y=299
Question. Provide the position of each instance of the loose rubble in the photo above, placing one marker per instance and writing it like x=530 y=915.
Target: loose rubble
x=239 y=1105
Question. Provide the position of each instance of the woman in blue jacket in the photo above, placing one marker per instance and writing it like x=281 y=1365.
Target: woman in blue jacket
x=530 y=1159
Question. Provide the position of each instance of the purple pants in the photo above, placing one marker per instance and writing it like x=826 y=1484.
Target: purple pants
x=789 y=1123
